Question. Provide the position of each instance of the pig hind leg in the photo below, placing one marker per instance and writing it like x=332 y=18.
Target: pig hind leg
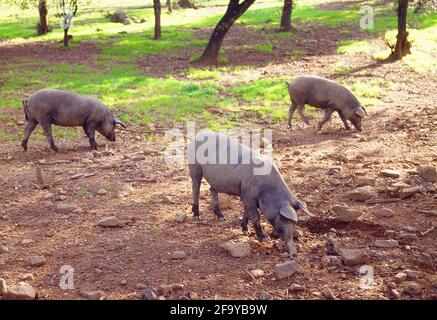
x=244 y=223
x=304 y=118
x=215 y=204
x=343 y=118
x=47 y=127
x=290 y=113
x=196 y=177
x=251 y=209
x=31 y=124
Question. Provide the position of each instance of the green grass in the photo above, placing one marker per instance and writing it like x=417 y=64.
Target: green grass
x=202 y=74
x=264 y=48
x=353 y=47
x=82 y=192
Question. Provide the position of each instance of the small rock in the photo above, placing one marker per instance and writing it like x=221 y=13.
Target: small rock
x=102 y=192
x=384 y=212
x=149 y=152
x=395 y=294
x=140 y=286
x=265 y=296
x=3 y=287
x=334 y=182
x=26 y=241
x=164 y=290
x=412 y=274
x=149 y=294
x=408 y=192
x=390 y=173
x=407 y=236
x=333 y=171
x=180 y=217
x=50 y=233
x=362 y=193
x=62 y=197
x=328 y=294
x=257 y=273
x=400 y=185
x=92 y=295
x=66 y=207
x=237 y=250
x=386 y=243
x=3 y=249
x=194 y=295
x=366 y=181
x=27 y=277
x=345 y=213
x=78 y=211
x=37 y=261
x=86 y=161
x=295 y=288
x=177 y=287
x=286 y=269
x=109 y=222
x=352 y=257
x=412 y=288
x=179 y=255
x=332 y=246
x=23 y=291
x=123 y=282
x=427 y=172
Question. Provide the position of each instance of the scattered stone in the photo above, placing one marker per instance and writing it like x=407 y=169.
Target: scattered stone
x=109 y=222
x=78 y=211
x=92 y=295
x=352 y=257
x=400 y=185
x=334 y=182
x=237 y=250
x=286 y=269
x=362 y=193
x=22 y=291
x=265 y=296
x=332 y=246
x=194 y=295
x=427 y=172
x=180 y=217
x=26 y=241
x=164 y=290
x=412 y=274
x=62 y=197
x=395 y=294
x=149 y=294
x=257 y=273
x=123 y=282
x=50 y=233
x=412 y=288
x=86 y=161
x=407 y=236
x=295 y=288
x=389 y=233
x=345 y=213
x=3 y=287
x=366 y=181
x=386 y=243
x=390 y=173
x=384 y=212
x=179 y=255
x=177 y=287
x=66 y=207
x=102 y=192
x=3 y=249
x=37 y=261
x=328 y=294
x=27 y=277
x=408 y=192
x=333 y=171
x=140 y=286
x=149 y=152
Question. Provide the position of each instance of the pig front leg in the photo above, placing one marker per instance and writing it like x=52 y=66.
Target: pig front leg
x=31 y=124
x=244 y=223
x=215 y=203
x=251 y=209
x=90 y=131
x=47 y=128
x=343 y=118
x=196 y=177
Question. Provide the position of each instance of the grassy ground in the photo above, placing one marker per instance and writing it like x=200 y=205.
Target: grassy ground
x=116 y=79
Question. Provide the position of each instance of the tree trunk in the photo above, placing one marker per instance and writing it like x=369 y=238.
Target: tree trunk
x=66 y=38
x=402 y=47
x=234 y=11
x=157 y=10
x=286 y=16
x=42 y=26
x=169 y=6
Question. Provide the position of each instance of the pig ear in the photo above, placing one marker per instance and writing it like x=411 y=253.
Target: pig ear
x=288 y=83
x=302 y=205
x=360 y=112
x=118 y=121
x=288 y=212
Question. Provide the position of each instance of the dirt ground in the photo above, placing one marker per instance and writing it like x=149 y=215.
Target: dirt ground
x=145 y=193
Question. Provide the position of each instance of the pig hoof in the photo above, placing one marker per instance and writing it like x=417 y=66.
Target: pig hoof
x=221 y=219
x=246 y=233
x=198 y=217
x=264 y=238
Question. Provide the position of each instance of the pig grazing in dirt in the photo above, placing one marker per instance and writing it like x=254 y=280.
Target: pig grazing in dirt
x=325 y=94
x=62 y=108
x=233 y=168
